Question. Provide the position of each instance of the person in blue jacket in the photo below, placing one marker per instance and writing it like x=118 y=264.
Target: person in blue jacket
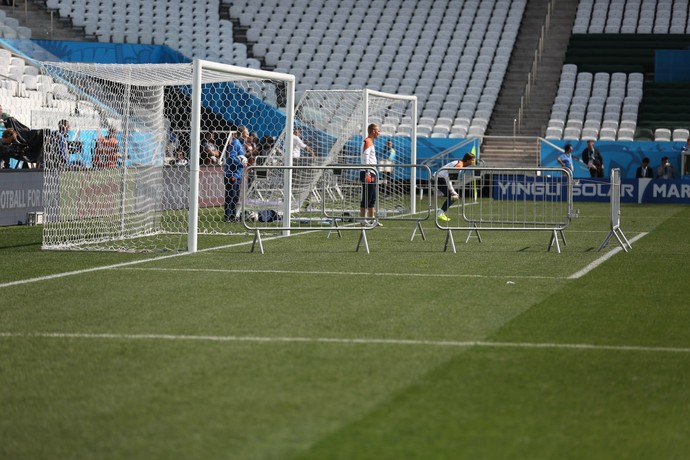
x=235 y=162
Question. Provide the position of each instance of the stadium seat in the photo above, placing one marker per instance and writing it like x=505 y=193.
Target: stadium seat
x=680 y=135
x=626 y=134
x=589 y=134
x=607 y=134
x=571 y=134
x=662 y=135
x=476 y=131
x=628 y=124
x=610 y=124
x=554 y=133
x=592 y=123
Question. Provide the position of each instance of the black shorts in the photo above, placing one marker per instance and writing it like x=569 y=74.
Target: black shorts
x=368 y=189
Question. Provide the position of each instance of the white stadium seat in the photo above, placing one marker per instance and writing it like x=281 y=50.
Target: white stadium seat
x=662 y=135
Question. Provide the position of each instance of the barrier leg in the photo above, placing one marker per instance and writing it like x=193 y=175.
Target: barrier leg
x=565 y=243
x=257 y=239
x=334 y=223
x=418 y=225
x=622 y=237
x=449 y=239
x=622 y=240
x=363 y=238
x=473 y=228
x=554 y=240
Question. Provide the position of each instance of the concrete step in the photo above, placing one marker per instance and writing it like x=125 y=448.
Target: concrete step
x=537 y=111
x=44 y=25
x=510 y=152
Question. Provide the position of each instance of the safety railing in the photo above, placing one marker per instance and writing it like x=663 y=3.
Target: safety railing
x=508 y=199
x=616 y=231
x=334 y=204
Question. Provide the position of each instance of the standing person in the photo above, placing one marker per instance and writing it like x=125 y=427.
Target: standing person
x=591 y=156
x=59 y=146
x=390 y=151
x=445 y=185
x=251 y=147
x=297 y=145
x=566 y=158
x=9 y=137
x=388 y=168
x=665 y=171
x=181 y=160
x=210 y=155
x=368 y=178
x=644 y=171
x=264 y=150
x=235 y=162
x=107 y=154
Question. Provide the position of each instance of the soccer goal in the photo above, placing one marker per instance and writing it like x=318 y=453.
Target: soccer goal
x=148 y=173
x=332 y=124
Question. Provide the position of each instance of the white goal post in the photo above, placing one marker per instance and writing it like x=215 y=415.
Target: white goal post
x=135 y=158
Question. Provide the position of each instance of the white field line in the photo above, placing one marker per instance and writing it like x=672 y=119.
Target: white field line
x=305 y=272
x=345 y=341
x=123 y=264
x=604 y=258
x=168 y=256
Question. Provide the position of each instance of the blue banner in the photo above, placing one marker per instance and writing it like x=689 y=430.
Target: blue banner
x=634 y=190
x=626 y=156
x=104 y=53
x=597 y=190
x=529 y=188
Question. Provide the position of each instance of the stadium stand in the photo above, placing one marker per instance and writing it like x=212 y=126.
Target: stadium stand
x=445 y=52
x=453 y=55
x=616 y=42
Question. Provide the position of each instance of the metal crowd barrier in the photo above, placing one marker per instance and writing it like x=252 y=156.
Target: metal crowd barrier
x=616 y=231
x=333 y=201
x=507 y=199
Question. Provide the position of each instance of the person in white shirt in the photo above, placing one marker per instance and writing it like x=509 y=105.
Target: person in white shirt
x=445 y=185
x=369 y=177
x=298 y=144
x=665 y=171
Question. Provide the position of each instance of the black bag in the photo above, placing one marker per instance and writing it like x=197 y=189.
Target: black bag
x=268 y=215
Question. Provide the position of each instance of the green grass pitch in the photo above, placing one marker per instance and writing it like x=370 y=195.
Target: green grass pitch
x=315 y=351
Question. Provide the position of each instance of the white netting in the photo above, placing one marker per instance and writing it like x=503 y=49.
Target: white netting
x=331 y=124
x=117 y=165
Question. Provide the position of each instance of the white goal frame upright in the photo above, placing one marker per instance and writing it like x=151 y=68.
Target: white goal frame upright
x=145 y=200
x=332 y=125
x=199 y=66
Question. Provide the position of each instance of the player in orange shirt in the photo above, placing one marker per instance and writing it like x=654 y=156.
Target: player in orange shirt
x=107 y=154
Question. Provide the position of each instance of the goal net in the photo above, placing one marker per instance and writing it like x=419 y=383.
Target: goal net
x=332 y=124
x=135 y=158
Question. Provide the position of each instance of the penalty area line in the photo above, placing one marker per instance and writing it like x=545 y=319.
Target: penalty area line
x=332 y=273
x=602 y=259
x=346 y=341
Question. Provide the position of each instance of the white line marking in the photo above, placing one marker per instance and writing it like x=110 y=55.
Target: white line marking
x=345 y=341
x=602 y=259
x=123 y=264
x=312 y=273
x=215 y=248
